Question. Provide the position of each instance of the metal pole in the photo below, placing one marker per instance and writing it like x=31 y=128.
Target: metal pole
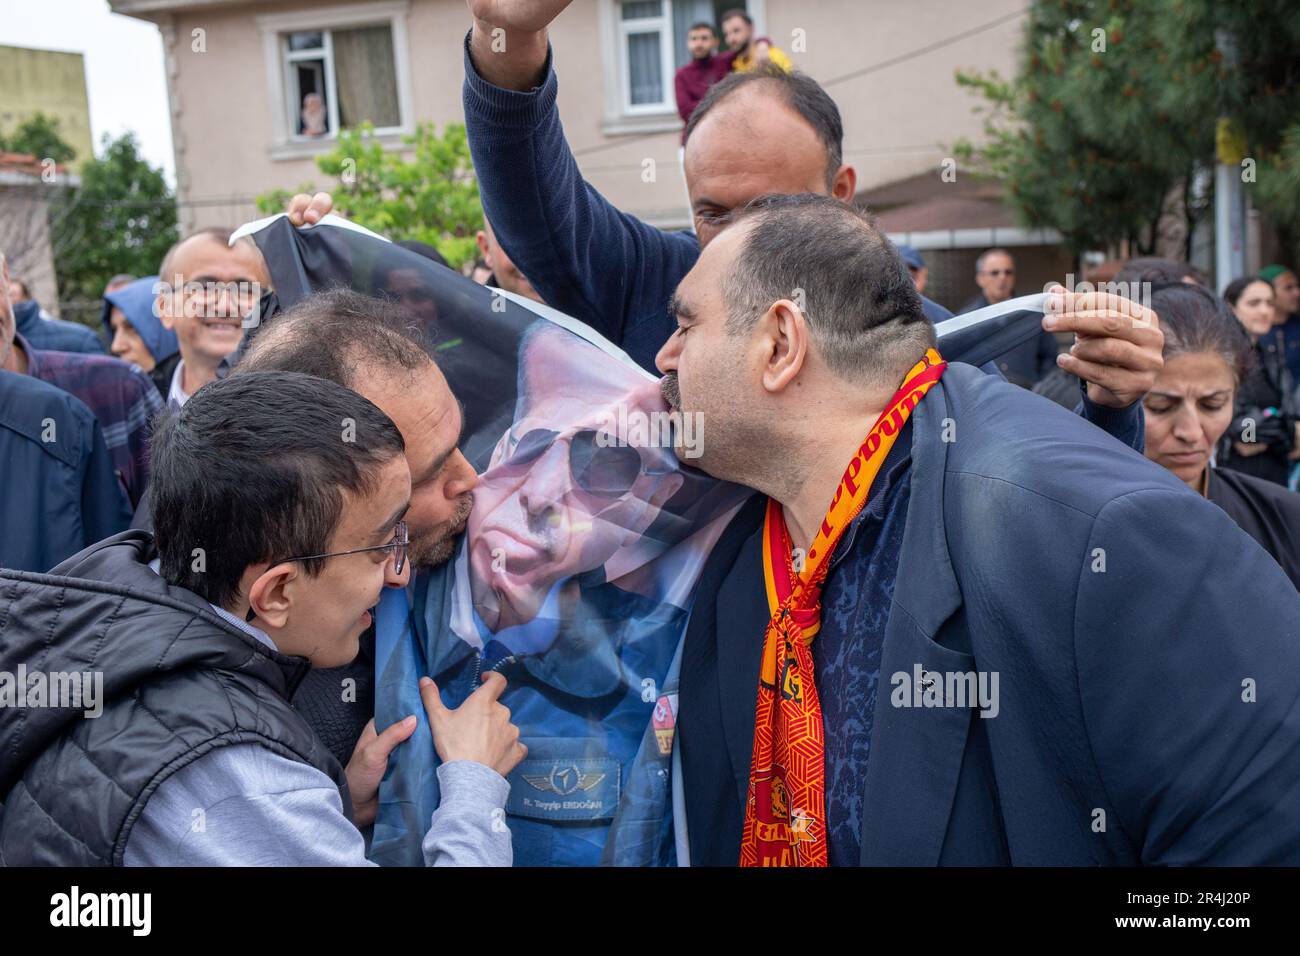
x=1229 y=196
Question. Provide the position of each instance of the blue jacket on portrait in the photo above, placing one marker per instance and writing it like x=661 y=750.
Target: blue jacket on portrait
x=1148 y=655
x=590 y=790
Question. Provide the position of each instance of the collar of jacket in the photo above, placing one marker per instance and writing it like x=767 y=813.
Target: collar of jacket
x=27 y=315
x=582 y=661
x=134 y=578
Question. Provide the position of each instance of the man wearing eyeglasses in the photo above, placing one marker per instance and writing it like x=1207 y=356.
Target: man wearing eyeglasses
x=206 y=290
x=1026 y=364
x=278 y=508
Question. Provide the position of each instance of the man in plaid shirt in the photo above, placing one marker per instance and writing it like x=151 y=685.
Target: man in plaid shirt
x=122 y=397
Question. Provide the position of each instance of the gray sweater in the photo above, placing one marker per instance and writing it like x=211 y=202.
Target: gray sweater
x=244 y=805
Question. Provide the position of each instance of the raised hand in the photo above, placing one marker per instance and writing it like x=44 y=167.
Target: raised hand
x=526 y=16
x=1117 y=348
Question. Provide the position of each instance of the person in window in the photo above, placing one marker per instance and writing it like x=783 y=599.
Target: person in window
x=315 y=120
x=1262 y=438
x=1188 y=410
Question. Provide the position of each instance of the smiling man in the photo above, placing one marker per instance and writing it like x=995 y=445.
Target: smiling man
x=279 y=506
x=369 y=344
x=207 y=287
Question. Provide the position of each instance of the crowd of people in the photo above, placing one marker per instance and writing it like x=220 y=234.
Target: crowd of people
x=182 y=516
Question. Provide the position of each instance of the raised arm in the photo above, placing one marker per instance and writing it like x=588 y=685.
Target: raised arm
x=584 y=257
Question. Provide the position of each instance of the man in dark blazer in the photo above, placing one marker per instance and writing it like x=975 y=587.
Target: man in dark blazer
x=1141 y=653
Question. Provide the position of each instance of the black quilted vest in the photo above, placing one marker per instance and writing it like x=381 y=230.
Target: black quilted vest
x=178 y=681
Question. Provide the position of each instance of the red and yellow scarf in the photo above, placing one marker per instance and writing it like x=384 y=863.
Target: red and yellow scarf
x=785 y=814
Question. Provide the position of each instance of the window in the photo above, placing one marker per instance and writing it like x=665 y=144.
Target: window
x=334 y=69
x=651 y=45
x=339 y=79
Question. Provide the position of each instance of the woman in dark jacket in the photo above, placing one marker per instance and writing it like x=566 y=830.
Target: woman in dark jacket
x=1191 y=406
x=1262 y=439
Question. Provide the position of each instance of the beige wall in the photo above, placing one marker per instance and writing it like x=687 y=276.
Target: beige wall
x=49 y=82
x=898 y=120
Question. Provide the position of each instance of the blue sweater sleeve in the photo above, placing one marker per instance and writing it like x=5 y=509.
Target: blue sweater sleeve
x=583 y=256
x=1128 y=425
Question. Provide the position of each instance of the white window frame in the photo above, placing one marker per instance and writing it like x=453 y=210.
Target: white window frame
x=662 y=25
x=288 y=142
x=620 y=115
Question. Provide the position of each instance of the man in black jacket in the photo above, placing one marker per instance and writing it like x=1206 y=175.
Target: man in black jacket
x=278 y=502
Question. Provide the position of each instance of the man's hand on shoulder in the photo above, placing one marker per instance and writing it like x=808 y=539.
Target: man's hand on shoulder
x=508 y=46
x=1117 y=344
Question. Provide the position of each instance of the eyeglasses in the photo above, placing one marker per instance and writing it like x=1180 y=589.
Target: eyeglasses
x=606 y=471
x=397 y=546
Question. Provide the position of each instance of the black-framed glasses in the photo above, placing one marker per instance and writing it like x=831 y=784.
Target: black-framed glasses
x=606 y=471
x=398 y=546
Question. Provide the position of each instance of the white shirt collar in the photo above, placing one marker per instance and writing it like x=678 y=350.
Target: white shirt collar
x=176 y=396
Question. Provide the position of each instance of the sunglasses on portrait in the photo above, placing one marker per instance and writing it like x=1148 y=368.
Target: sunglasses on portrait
x=606 y=471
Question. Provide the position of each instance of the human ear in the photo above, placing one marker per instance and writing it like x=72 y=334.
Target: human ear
x=271 y=595
x=786 y=331
x=846 y=184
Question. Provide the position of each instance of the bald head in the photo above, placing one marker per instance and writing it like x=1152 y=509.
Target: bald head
x=762 y=133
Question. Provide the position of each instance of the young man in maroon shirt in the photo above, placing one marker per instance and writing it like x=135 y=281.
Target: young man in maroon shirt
x=707 y=66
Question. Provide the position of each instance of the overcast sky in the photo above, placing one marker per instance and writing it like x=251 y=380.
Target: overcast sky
x=124 y=66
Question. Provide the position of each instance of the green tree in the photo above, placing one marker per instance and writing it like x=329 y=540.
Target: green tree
x=1256 y=85
x=122 y=218
x=39 y=135
x=1108 y=130
x=433 y=197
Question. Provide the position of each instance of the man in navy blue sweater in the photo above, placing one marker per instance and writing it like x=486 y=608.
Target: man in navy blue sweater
x=752 y=135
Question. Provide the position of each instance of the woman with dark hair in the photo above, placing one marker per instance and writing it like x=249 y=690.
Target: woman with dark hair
x=1262 y=438
x=1207 y=354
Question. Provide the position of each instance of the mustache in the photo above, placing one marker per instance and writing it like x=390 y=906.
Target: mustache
x=463 y=509
x=671 y=392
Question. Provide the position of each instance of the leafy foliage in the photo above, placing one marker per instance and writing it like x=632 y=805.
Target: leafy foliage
x=433 y=197
x=39 y=135
x=121 y=219
x=1107 y=132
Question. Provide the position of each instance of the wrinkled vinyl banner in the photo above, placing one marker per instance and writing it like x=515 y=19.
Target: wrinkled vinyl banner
x=575 y=576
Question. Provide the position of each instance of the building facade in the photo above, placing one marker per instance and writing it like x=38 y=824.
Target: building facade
x=259 y=89
x=49 y=82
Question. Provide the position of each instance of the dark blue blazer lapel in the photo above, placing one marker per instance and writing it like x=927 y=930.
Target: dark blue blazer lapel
x=741 y=623
x=916 y=752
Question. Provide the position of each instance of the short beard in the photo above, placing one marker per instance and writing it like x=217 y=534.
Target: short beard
x=440 y=545
x=671 y=391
